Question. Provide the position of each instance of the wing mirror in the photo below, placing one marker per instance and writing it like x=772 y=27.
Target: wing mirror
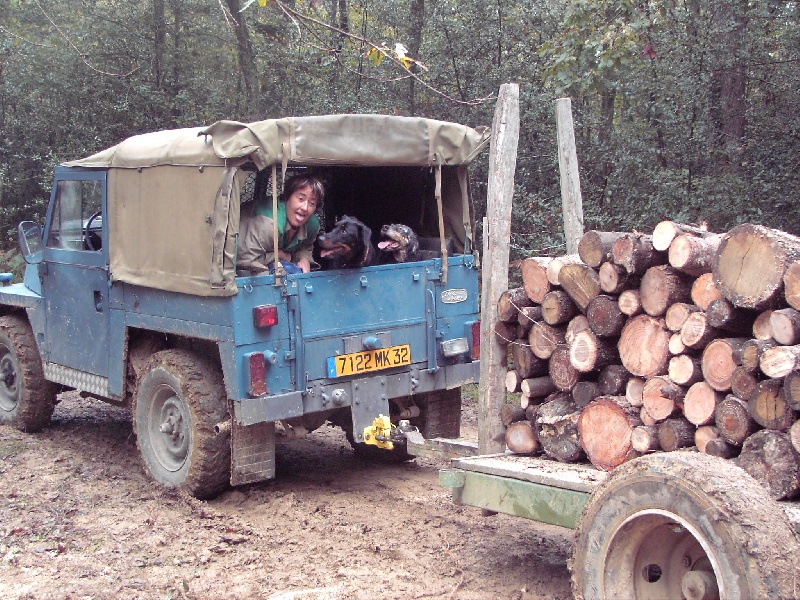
x=30 y=242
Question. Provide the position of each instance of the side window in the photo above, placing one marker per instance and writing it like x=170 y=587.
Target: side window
x=77 y=223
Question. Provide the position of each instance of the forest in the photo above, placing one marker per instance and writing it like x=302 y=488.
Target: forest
x=683 y=109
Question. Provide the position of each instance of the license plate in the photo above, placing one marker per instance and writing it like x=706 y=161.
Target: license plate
x=369 y=360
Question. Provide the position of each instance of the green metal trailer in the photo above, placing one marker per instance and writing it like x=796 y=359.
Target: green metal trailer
x=665 y=525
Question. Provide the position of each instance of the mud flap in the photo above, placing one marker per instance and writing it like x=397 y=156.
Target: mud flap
x=252 y=452
x=369 y=402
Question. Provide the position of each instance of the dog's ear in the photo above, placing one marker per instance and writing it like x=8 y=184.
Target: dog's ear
x=366 y=233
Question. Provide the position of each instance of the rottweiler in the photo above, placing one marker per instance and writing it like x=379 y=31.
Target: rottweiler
x=348 y=245
x=401 y=241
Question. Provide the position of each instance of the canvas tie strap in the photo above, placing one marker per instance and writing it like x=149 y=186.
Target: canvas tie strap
x=466 y=215
x=279 y=270
x=440 y=209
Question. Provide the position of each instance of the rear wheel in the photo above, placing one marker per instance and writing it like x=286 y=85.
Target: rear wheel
x=682 y=524
x=179 y=400
x=27 y=399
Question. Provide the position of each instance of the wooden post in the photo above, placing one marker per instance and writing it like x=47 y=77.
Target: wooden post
x=497 y=237
x=571 y=201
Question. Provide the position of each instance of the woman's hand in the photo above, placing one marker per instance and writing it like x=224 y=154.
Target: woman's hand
x=304 y=264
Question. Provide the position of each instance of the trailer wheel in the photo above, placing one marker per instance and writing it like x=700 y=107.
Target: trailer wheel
x=27 y=399
x=178 y=401
x=682 y=524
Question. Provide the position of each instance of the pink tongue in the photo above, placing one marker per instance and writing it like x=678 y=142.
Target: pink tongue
x=326 y=253
x=385 y=244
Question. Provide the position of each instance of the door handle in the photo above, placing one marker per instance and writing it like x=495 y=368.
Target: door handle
x=98 y=301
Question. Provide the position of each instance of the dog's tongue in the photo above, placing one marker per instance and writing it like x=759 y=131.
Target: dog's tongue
x=326 y=253
x=387 y=245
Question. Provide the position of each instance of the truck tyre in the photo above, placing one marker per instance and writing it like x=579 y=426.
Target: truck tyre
x=178 y=401
x=27 y=399
x=663 y=516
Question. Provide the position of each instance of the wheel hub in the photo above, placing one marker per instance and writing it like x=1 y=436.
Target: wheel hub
x=171 y=430
x=9 y=390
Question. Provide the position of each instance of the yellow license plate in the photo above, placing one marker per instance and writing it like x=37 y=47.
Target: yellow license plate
x=369 y=360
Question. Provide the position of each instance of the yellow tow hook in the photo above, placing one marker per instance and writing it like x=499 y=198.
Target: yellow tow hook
x=379 y=433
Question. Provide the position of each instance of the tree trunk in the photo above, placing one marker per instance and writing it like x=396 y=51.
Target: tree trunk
x=779 y=361
x=761 y=326
x=791 y=389
x=534 y=277
x=505 y=333
x=791 y=285
x=693 y=255
x=662 y=398
x=700 y=403
x=630 y=303
x=636 y=254
x=563 y=374
x=544 y=338
x=751 y=263
x=581 y=283
x=633 y=391
x=513 y=380
x=416 y=25
x=613 y=380
x=526 y=363
x=509 y=413
x=604 y=316
x=510 y=303
x=537 y=387
x=772 y=461
x=645 y=439
x=521 y=438
x=584 y=392
x=557 y=430
x=752 y=351
x=704 y=291
x=662 y=286
x=559 y=262
x=743 y=383
x=724 y=316
x=247 y=62
x=769 y=407
x=605 y=428
x=721 y=449
x=785 y=326
x=676 y=345
x=674 y=434
x=666 y=231
x=595 y=247
x=529 y=315
x=588 y=352
x=614 y=278
x=734 y=421
x=685 y=370
x=696 y=333
x=643 y=346
x=703 y=435
x=720 y=358
x=558 y=307
x=677 y=313
x=576 y=324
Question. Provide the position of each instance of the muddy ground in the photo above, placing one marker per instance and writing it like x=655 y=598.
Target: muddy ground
x=80 y=519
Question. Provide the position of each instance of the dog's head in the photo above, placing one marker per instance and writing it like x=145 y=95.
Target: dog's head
x=401 y=241
x=347 y=245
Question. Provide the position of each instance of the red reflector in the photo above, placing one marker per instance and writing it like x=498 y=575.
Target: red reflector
x=475 y=330
x=265 y=316
x=258 y=374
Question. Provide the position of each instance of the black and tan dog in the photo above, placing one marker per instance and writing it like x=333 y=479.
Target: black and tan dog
x=348 y=245
x=401 y=241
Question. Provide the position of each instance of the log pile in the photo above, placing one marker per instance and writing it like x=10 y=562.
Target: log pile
x=644 y=343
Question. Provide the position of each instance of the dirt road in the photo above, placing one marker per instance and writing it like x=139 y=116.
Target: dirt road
x=80 y=519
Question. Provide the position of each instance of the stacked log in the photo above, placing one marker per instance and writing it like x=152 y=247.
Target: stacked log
x=644 y=343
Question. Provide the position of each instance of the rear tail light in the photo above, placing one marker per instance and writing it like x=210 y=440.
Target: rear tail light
x=455 y=347
x=258 y=374
x=265 y=316
x=475 y=331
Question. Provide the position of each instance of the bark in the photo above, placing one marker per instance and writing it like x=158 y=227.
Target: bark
x=594 y=247
x=643 y=346
x=743 y=383
x=505 y=333
x=662 y=286
x=416 y=25
x=557 y=430
x=674 y=434
x=584 y=392
x=791 y=389
x=510 y=303
x=534 y=277
x=705 y=434
x=734 y=421
x=510 y=413
x=528 y=315
x=521 y=438
x=752 y=351
x=721 y=449
x=724 y=316
x=537 y=387
x=604 y=316
x=247 y=60
x=751 y=263
x=636 y=254
x=772 y=461
x=581 y=283
x=613 y=380
x=526 y=363
x=544 y=338
x=605 y=428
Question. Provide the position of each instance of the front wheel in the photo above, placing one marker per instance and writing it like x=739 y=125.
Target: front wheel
x=682 y=525
x=27 y=399
x=179 y=400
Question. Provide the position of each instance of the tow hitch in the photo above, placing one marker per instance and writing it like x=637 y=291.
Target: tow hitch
x=384 y=434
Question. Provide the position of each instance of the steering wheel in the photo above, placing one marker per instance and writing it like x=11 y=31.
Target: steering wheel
x=94 y=241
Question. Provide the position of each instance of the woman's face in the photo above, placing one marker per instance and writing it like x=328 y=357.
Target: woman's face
x=300 y=206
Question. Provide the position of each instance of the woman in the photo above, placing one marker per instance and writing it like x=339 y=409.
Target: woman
x=298 y=226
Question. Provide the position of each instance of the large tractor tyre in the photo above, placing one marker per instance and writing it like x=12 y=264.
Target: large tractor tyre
x=27 y=399
x=440 y=416
x=179 y=400
x=682 y=525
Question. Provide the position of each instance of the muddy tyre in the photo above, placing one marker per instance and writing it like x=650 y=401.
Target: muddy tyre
x=662 y=516
x=178 y=401
x=27 y=399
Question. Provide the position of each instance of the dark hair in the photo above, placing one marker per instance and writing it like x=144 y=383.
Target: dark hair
x=296 y=182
